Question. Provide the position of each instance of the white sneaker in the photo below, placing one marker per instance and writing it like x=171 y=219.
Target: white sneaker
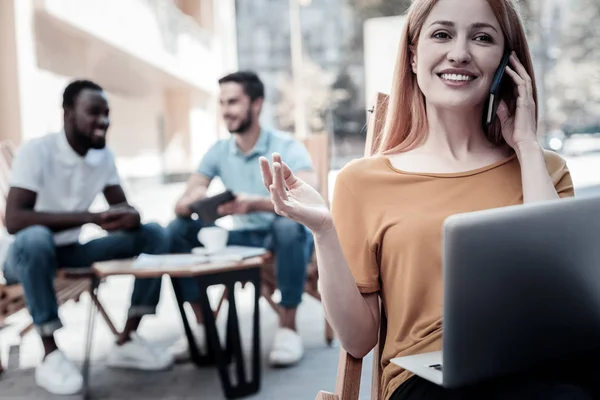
x=180 y=350
x=139 y=354
x=287 y=349
x=58 y=375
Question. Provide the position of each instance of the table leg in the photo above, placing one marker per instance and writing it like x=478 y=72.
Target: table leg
x=244 y=385
x=197 y=358
x=95 y=282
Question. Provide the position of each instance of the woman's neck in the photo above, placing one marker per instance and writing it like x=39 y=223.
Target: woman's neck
x=455 y=133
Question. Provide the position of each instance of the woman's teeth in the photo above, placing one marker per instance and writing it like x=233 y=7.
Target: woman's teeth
x=456 y=77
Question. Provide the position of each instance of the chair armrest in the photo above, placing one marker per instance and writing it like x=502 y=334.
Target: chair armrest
x=347 y=385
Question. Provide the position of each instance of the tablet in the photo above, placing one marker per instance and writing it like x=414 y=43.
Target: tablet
x=206 y=208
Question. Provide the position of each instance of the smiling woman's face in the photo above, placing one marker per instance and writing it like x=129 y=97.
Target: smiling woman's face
x=458 y=52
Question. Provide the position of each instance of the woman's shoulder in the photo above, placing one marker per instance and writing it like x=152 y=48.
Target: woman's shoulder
x=554 y=161
x=361 y=170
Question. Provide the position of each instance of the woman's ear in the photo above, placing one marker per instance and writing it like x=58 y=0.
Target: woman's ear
x=413 y=58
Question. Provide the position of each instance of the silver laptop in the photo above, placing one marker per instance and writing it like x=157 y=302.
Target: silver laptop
x=521 y=289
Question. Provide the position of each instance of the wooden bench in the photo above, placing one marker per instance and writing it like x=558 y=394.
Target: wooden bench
x=69 y=284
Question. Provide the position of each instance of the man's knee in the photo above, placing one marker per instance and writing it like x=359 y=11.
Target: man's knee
x=35 y=240
x=153 y=231
x=184 y=234
x=183 y=227
x=288 y=232
x=179 y=226
x=33 y=249
x=155 y=236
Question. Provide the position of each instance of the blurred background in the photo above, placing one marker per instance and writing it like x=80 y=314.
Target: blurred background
x=322 y=61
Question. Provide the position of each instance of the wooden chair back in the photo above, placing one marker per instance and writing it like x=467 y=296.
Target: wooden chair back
x=317 y=146
x=350 y=368
x=7 y=153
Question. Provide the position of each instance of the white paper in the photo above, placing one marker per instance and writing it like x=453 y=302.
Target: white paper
x=168 y=260
x=230 y=254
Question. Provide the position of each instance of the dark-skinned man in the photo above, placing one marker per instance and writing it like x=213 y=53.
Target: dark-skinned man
x=55 y=178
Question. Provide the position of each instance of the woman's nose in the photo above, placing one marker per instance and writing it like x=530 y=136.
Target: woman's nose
x=459 y=53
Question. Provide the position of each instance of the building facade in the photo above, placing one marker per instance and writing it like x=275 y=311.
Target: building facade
x=328 y=33
x=158 y=60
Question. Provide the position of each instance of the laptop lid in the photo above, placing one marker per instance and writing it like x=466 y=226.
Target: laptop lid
x=521 y=287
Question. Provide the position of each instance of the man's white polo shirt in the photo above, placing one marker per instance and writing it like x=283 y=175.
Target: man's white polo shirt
x=63 y=180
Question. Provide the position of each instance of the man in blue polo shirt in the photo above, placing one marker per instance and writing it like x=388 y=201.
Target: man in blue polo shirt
x=235 y=162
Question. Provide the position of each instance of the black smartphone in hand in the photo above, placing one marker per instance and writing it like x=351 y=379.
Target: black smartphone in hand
x=207 y=208
x=491 y=105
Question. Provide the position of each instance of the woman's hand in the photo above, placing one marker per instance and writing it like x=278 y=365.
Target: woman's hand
x=520 y=128
x=293 y=198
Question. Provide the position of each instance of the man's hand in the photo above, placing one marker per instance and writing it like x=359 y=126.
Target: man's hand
x=195 y=190
x=120 y=219
x=242 y=204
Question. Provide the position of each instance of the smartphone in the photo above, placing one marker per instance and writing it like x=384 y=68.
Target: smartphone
x=491 y=106
x=207 y=208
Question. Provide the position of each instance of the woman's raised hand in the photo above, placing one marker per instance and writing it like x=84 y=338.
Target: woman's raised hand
x=294 y=198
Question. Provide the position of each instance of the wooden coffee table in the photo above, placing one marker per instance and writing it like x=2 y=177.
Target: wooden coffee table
x=226 y=273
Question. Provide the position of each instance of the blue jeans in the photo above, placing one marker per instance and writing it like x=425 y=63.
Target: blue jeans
x=33 y=259
x=290 y=241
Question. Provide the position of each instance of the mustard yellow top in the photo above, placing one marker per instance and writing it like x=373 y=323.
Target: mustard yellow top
x=390 y=227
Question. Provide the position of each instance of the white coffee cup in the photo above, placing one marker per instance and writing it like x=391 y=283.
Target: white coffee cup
x=213 y=238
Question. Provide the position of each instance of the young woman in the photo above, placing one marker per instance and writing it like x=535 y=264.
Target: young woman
x=383 y=237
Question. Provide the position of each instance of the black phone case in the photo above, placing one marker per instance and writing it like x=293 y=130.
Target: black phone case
x=491 y=105
x=207 y=207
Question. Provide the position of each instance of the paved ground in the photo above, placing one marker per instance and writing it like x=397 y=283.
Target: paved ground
x=316 y=372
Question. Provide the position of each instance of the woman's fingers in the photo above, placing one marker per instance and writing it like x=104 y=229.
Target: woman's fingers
x=278 y=203
x=288 y=176
x=519 y=68
x=265 y=170
x=521 y=85
x=278 y=181
x=275 y=183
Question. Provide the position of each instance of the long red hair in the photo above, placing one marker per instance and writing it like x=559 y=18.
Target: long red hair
x=406 y=117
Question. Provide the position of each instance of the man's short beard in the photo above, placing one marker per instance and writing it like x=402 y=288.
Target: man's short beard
x=244 y=125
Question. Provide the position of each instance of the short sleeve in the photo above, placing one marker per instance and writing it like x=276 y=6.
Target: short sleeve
x=559 y=173
x=297 y=157
x=27 y=168
x=209 y=166
x=563 y=182
x=351 y=227
x=113 y=178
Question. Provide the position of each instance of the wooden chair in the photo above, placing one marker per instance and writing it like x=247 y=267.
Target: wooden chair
x=69 y=284
x=349 y=368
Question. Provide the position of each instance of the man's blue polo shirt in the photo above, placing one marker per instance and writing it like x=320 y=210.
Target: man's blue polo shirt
x=240 y=172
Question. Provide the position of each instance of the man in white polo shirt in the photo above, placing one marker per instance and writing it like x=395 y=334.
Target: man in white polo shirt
x=55 y=179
